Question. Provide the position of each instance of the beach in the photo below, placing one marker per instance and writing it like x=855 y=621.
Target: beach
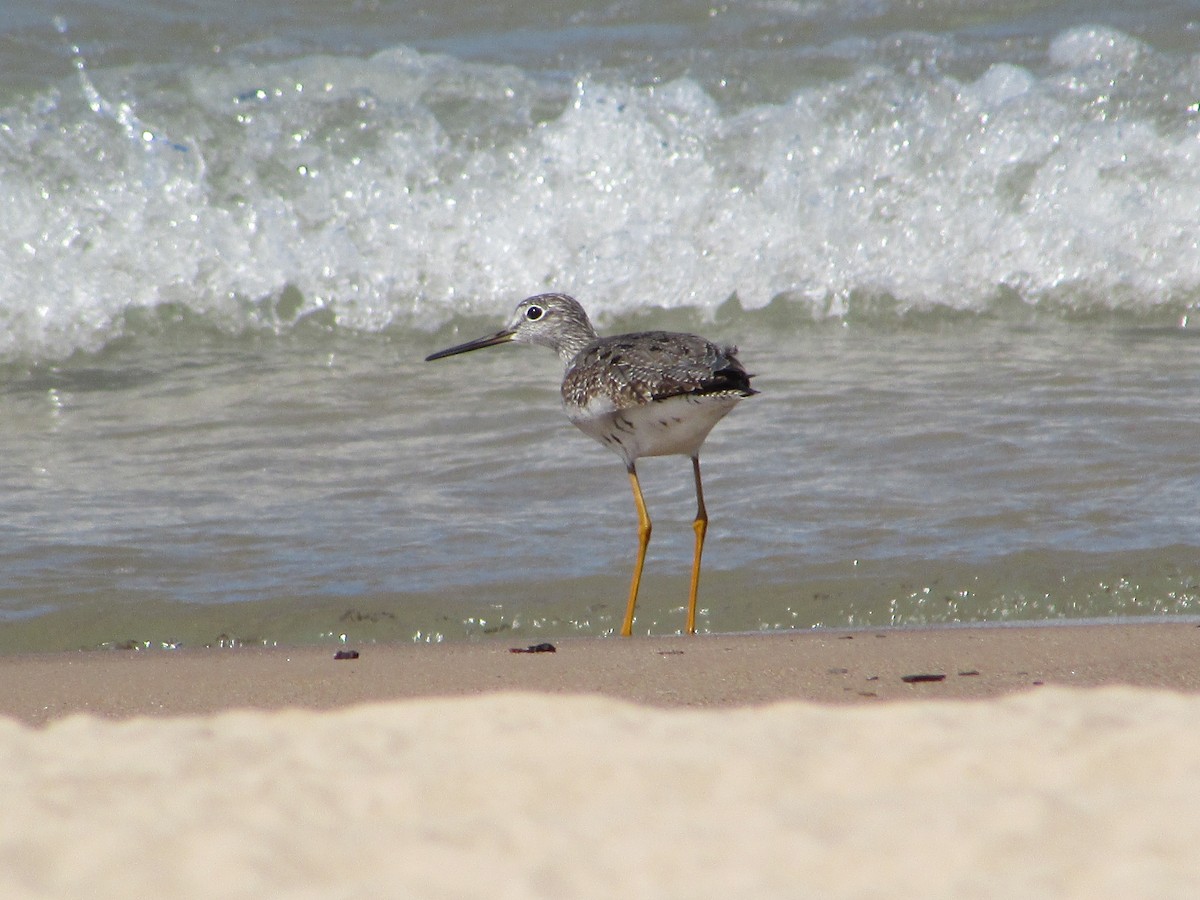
x=1051 y=761
x=263 y=568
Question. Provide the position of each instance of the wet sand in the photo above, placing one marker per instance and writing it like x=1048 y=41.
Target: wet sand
x=865 y=666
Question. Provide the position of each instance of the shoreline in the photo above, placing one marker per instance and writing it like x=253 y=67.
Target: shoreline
x=827 y=667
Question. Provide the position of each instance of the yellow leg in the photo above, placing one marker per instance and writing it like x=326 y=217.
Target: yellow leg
x=700 y=526
x=643 y=543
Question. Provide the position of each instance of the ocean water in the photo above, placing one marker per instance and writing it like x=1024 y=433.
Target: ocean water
x=958 y=243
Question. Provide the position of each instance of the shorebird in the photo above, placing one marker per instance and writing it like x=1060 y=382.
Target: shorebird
x=650 y=393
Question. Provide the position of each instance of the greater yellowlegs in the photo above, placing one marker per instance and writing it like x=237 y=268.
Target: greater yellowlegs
x=652 y=393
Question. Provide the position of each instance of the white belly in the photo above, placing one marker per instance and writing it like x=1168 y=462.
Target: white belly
x=677 y=425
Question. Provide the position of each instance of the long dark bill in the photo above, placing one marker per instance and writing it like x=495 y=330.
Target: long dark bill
x=500 y=337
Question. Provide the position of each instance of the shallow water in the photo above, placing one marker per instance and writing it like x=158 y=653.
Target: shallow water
x=957 y=245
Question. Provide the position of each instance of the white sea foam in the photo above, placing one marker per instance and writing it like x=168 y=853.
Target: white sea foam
x=404 y=188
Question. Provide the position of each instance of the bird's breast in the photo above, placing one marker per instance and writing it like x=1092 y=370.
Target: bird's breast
x=676 y=425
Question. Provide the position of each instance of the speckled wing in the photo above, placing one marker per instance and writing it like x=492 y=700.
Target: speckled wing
x=634 y=369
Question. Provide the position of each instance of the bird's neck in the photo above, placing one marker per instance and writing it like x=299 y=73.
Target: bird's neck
x=569 y=345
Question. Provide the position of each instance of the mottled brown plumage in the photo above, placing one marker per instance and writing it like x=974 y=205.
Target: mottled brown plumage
x=653 y=365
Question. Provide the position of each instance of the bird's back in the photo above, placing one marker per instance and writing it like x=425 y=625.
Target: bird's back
x=628 y=370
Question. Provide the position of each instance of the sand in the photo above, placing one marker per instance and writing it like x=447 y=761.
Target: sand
x=1047 y=762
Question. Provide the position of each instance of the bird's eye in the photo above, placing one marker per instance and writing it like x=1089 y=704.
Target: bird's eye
x=533 y=313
